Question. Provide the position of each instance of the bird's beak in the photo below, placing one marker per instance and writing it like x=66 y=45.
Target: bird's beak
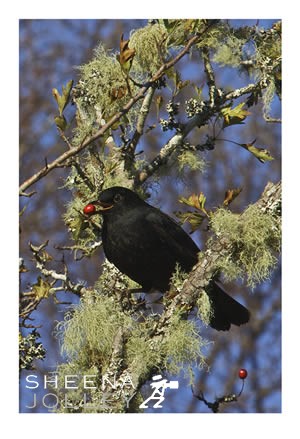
x=103 y=205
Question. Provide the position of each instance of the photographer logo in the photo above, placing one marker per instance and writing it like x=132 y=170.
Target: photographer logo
x=159 y=386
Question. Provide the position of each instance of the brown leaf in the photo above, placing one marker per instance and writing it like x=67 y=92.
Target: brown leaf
x=158 y=103
x=230 y=195
x=196 y=201
x=118 y=93
x=126 y=55
x=41 y=289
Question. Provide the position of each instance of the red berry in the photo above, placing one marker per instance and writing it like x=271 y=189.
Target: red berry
x=89 y=209
x=243 y=374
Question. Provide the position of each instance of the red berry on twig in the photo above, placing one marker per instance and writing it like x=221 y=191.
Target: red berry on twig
x=243 y=374
x=89 y=209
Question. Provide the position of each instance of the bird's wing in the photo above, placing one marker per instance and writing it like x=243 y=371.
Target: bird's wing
x=172 y=236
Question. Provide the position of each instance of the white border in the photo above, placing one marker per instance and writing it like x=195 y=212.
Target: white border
x=194 y=425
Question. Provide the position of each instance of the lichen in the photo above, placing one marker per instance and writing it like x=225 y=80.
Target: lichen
x=255 y=239
x=89 y=330
x=102 y=90
x=205 y=311
x=149 y=43
x=190 y=160
x=180 y=348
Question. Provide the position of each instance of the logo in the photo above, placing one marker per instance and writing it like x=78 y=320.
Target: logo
x=75 y=392
x=159 y=386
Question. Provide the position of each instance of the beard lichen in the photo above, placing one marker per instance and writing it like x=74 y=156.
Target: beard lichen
x=255 y=238
x=89 y=330
x=150 y=47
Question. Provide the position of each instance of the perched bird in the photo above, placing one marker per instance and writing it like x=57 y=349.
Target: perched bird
x=146 y=244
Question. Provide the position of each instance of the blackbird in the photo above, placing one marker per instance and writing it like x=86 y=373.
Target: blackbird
x=146 y=244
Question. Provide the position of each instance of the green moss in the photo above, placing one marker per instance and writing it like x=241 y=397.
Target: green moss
x=112 y=279
x=97 y=80
x=214 y=36
x=178 y=277
x=255 y=238
x=76 y=400
x=30 y=350
x=140 y=354
x=77 y=224
x=182 y=346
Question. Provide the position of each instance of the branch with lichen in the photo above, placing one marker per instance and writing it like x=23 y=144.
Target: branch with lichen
x=47 y=286
x=136 y=345
x=176 y=142
x=222 y=247
x=74 y=150
x=129 y=150
x=205 y=270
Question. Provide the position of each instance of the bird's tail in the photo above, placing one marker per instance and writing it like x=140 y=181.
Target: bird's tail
x=225 y=310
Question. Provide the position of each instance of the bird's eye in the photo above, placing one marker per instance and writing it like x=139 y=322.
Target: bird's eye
x=117 y=198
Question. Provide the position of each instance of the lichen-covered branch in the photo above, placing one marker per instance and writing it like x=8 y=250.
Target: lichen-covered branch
x=144 y=111
x=51 y=283
x=268 y=204
x=176 y=307
x=71 y=152
x=198 y=120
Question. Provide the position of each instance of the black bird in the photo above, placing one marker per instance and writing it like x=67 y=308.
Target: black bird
x=146 y=244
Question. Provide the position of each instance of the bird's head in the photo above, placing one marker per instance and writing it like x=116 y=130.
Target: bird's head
x=115 y=199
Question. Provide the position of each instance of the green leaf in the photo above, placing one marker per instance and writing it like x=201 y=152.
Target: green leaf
x=234 y=116
x=41 y=289
x=63 y=99
x=61 y=122
x=158 y=103
x=195 y=219
x=178 y=82
x=126 y=55
x=196 y=201
x=169 y=24
x=262 y=154
x=198 y=90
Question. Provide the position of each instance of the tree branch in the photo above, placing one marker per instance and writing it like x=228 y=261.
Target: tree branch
x=144 y=111
x=193 y=287
x=198 y=120
x=210 y=76
x=204 y=270
x=75 y=150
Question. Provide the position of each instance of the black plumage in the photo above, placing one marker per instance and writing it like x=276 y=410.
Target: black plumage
x=146 y=244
